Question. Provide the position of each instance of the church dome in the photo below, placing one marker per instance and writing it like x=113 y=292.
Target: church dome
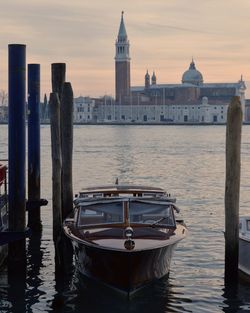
x=192 y=76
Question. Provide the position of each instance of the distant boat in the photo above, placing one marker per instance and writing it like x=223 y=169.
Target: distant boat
x=124 y=236
x=244 y=245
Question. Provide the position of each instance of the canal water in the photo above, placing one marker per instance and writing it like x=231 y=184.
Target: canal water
x=189 y=162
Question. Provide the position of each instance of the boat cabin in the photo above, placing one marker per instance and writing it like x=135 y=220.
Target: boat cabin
x=122 y=190
x=121 y=207
x=244 y=227
x=124 y=219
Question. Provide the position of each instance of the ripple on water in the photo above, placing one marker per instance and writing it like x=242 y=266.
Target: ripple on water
x=190 y=163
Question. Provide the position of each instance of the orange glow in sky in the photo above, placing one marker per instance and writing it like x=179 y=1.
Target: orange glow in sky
x=163 y=35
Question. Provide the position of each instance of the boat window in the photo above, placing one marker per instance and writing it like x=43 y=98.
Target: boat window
x=150 y=194
x=101 y=214
x=248 y=225
x=91 y=195
x=150 y=213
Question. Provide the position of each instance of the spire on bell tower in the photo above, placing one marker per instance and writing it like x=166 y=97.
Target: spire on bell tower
x=122 y=34
x=122 y=43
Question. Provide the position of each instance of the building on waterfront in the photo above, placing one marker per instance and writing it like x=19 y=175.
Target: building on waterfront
x=247 y=110
x=3 y=113
x=191 y=101
x=45 y=110
x=83 y=109
x=3 y=106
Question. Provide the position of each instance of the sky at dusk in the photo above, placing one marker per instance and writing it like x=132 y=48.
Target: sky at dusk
x=164 y=36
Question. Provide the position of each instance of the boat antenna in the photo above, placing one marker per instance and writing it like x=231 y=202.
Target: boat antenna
x=116 y=181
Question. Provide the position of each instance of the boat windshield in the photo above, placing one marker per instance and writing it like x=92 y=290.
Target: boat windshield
x=151 y=213
x=136 y=212
x=95 y=214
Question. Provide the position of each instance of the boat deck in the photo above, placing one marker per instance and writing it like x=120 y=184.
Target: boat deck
x=113 y=238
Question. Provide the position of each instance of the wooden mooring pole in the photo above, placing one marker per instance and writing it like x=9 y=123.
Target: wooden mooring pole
x=232 y=190
x=67 y=151
x=56 y=171
x=58 y=72
x=34 y=192
x=67 y=148
x=17 y=199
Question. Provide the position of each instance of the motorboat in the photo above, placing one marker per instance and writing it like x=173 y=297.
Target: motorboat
x=124 y=235
x=244 y=245
x=3 y=211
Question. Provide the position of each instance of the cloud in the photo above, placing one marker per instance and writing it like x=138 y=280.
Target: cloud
x=163 y=28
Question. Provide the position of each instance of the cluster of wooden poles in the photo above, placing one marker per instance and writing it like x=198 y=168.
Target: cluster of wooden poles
x=61 y=105
x=61 y=111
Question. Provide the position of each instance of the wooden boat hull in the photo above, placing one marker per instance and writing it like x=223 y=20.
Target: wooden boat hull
x=244 y=247
x=126 y=271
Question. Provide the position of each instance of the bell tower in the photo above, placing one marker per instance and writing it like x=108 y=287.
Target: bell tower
x=153 y=79
x=122 y=64
x=147 y=80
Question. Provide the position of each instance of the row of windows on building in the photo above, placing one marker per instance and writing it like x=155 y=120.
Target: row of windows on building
x=169 y=106
x=222 y=108
x=83 y=117
x=171 y=93
x=81 y=109
x=185 y=118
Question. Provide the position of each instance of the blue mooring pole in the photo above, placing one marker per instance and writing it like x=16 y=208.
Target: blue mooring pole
x=34 y=219
x=17 y=201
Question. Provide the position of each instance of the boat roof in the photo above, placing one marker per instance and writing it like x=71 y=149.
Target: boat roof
x=123 y=189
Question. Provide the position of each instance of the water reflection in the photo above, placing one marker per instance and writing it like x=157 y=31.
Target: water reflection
x=85 y=295
x=236 y=298
x=89 y=296
x=16 y=292
x=63 y=273
x=34 y=264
